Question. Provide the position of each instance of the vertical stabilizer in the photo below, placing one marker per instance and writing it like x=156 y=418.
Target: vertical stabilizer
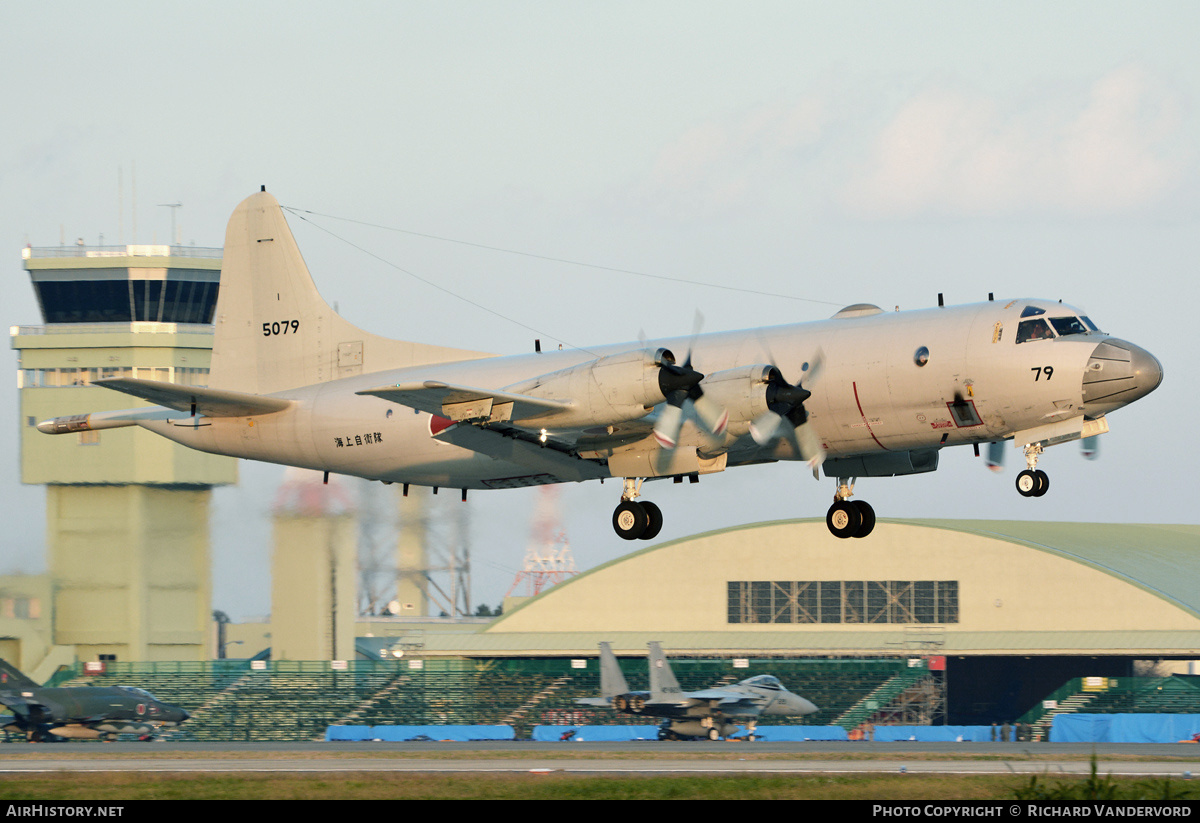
x=274 y=331
x=612 y=680
x=11 y=677
x=664 y=688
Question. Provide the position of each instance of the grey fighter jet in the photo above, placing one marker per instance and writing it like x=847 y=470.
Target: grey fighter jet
x=709 y=713
x=866 y=393
x=83 y=712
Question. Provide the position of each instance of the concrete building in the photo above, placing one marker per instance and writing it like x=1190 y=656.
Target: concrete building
x=126 y=511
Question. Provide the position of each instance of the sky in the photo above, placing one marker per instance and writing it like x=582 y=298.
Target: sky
x=592 y=171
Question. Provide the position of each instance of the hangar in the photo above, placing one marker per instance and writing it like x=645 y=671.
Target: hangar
x=1014 y=608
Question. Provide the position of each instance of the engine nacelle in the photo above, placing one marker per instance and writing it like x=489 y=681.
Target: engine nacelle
x=742 y=392
x=609 y=389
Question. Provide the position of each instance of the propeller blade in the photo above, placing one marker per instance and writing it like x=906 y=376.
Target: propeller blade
x=814 y=367
x=1091 y=447
x=810 y=446
x=666 y=430
x=765 y=427
x=995 y=457
x=713 y=417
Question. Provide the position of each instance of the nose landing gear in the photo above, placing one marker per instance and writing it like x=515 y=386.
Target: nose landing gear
x=1032 y=482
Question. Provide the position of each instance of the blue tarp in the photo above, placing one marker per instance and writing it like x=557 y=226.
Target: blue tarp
x=401 y=733
x=1123 y=728
x=970 y=734
x=593 y=733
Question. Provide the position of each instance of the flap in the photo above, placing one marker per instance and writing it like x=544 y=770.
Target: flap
x=468 y=402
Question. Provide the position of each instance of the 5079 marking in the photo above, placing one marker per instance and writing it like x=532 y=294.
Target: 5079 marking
x=281 y=327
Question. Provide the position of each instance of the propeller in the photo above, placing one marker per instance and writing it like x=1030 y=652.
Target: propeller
x=680 y=384
x=786 y=418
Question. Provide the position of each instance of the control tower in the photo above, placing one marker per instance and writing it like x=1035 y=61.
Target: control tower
x=127 y=534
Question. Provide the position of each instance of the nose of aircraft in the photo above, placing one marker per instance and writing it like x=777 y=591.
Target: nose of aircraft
x=1118 y=373
x=804 y=706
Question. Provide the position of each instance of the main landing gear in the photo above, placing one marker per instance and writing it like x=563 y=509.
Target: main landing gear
x=1032 y=482
x=635 y=520
x=849 y=518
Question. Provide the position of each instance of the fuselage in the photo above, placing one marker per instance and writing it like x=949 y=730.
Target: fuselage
x=87 y=712
x=889 y=384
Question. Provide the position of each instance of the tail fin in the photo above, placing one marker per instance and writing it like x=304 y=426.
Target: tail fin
x=11 y=677
x=664 y=688
x=612 y=679
x=274 y=330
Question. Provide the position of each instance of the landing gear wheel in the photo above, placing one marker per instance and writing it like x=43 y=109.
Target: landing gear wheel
x=844 y=519
x=1043 y=483
x=654 y=520
x=713 y=734
x=630 y=520
x=1033 y=483
x=868 y=518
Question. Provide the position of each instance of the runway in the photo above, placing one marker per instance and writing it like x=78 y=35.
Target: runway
x=649 y=757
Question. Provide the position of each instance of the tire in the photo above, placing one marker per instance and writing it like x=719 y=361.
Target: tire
x=1043 y=483
x=843 y=519
x=868 y=518
x=1027 y=483
x=714 y=734
x=654 y=522
x=630 y=520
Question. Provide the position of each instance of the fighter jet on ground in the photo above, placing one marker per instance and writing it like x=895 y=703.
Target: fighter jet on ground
x=708 y=713
x=83 y=712
x=867 y=393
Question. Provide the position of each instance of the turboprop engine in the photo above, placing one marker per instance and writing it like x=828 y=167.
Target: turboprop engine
x=618 y=387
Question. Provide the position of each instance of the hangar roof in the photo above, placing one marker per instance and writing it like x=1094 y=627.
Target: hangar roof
x=1090 y=606
x=1163 y=559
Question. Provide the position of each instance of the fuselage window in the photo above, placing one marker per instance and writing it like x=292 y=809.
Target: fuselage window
x=1033 y=330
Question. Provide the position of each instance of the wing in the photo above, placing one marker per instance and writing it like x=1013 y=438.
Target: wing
x=483 y=422
x=20 y=706
x=460 y=403
x=727 y=701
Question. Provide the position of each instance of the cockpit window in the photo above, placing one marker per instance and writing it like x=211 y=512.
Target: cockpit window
x=1087 y=321
x=765 y=681
x=1032 y=311
x=1068 y=325
x=136 y=691
x=1037 y=329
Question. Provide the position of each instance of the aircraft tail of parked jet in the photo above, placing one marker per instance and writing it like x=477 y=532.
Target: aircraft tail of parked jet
x=274 y=331
x=12 y=678
x=664 y=688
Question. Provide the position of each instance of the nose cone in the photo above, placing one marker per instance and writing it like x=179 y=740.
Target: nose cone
x=1147 y=371
x=806 y=706
x=797 y=705
x=1118 y=373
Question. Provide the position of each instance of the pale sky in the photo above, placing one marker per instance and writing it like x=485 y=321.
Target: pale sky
x=832 y=152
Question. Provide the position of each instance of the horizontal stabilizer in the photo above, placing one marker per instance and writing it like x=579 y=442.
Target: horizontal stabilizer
x=196 y=400
x=467 y=402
